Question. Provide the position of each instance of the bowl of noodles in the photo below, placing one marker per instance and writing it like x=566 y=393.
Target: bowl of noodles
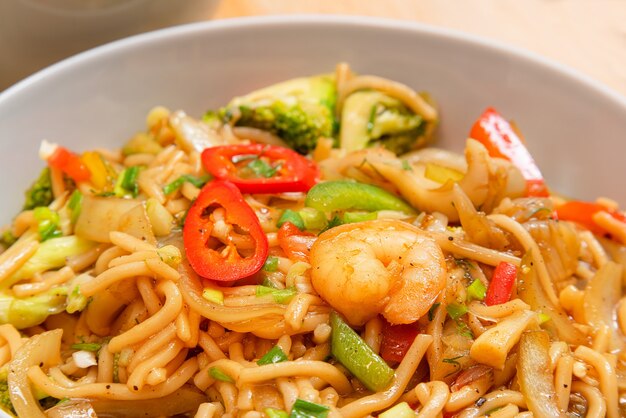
x=311 y=217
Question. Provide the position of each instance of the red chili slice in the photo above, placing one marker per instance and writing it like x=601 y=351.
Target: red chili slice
x=501 y=285
x=582 y=213
x=70 y=164
x=224 y=263
x=293 y=172
x=294 y=242
x=397 y=340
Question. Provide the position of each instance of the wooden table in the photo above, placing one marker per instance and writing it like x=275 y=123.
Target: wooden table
x=587 y=35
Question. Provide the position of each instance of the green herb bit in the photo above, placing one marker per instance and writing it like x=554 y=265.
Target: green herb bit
x=313 y=218
x=218 y=374
x=261 y=168
x=187 y=178
x=275 y=355
x=75 y=204
x=47 y=223
x=406 y=166
x=476 y=291
x=271 y=264
x=453 y=360
x=463 y=329
x=281 y=296
x=127 y=182
x=456 y=310
x=275 y=413
x=291 y=216
x=86 y=346
x=431 y=311
x=304 y=409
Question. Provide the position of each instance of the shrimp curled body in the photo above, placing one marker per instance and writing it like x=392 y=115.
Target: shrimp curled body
x=384 y=266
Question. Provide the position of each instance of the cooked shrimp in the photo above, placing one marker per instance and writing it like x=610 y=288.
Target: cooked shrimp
x=382 y=266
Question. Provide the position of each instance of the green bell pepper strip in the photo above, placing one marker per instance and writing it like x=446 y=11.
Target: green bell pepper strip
x=351 y=351
x=340 y=195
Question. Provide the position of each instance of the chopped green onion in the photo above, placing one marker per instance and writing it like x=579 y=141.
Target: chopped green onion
x=261 y=168
x=406 y=166
x=275 y=355
x=271 y=264
x=275 y=413
x=463 y=329
x=217 y=374
x=7 y=239
x=76 y=301
x=453 y=360
x=476 y=291
x=304 y=409
x=431 y=311
x=86 y=346
x=75 y=204
x=187 y=178
x=213 y=295
x=47 y=223
x=543 y=318
x=456 y=310
x=291 y=216
x=371 y=119
x=127 y=182
x=354 y=353
x=313 y=218
x=282 y=296
x=352 y=217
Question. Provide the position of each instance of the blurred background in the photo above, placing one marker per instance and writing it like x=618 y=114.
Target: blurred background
x=587 y=35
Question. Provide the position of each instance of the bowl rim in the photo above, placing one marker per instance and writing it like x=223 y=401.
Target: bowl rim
x=321 y=20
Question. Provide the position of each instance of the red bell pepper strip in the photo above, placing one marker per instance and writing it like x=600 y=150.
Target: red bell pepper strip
x=294 y=242
x=285 y=170
x=222 y=262
x=583 y=212
x=501 y=286
x=69 y=163
x=397 y=340
x=501 y=140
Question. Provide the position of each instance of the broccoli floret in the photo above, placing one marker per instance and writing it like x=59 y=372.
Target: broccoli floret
x=40 y=193
x=28 y=312
x=372 y=118
x=5 y=399
x=299 y=111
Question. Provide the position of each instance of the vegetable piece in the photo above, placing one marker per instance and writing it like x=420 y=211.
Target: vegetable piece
x=476 y=290
x=299 y=111
x=65 y=161
x=5 y=399
x=75 y=205
x=534 y=375
x=271 y=264
x=284 y=170
x=160 y=218
x=396 y=341
x=295 y=242
x=442 y=174
x=84 y=359
x=529 y=290
x=291 y=216
x=401 y=410
x=313 y=219
x=187 y=178
x=501 y=285
x=352 y=217
x=582 y=213
x=222 y=261
x=127 y=182
x=275 y=355
x=40 y=192
x=351 y=351
x=86 y=346
x=218 y=374
x=501 y=140
x=279 y=295
x=339 y=195
x=76 y=301
x=142 y=143
x=47 y=223
x=51 y=254
x=456 y=310
x=213 y=295
x=371 y=118
x=305 y=409
x=103 y=175
x=28 y=312
x=101 y=215
x=275 y=413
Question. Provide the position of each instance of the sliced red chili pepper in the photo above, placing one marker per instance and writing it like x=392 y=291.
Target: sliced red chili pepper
x=501 y=286
x=501 y=140
x=294 y=242
x=211 y=258
x=288 y=170
x=397 y=340
x=583 y=212
x=70 y=164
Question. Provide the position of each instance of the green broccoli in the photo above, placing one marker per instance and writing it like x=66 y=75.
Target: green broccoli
x=299 y=111
x=28 y=312
x=40 y=193
x=5 y=399
x=372 y=118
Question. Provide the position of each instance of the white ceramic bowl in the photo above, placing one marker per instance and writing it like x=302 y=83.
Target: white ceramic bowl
x=574 y=127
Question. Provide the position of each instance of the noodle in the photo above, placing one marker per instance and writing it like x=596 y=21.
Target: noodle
x=180 y=280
